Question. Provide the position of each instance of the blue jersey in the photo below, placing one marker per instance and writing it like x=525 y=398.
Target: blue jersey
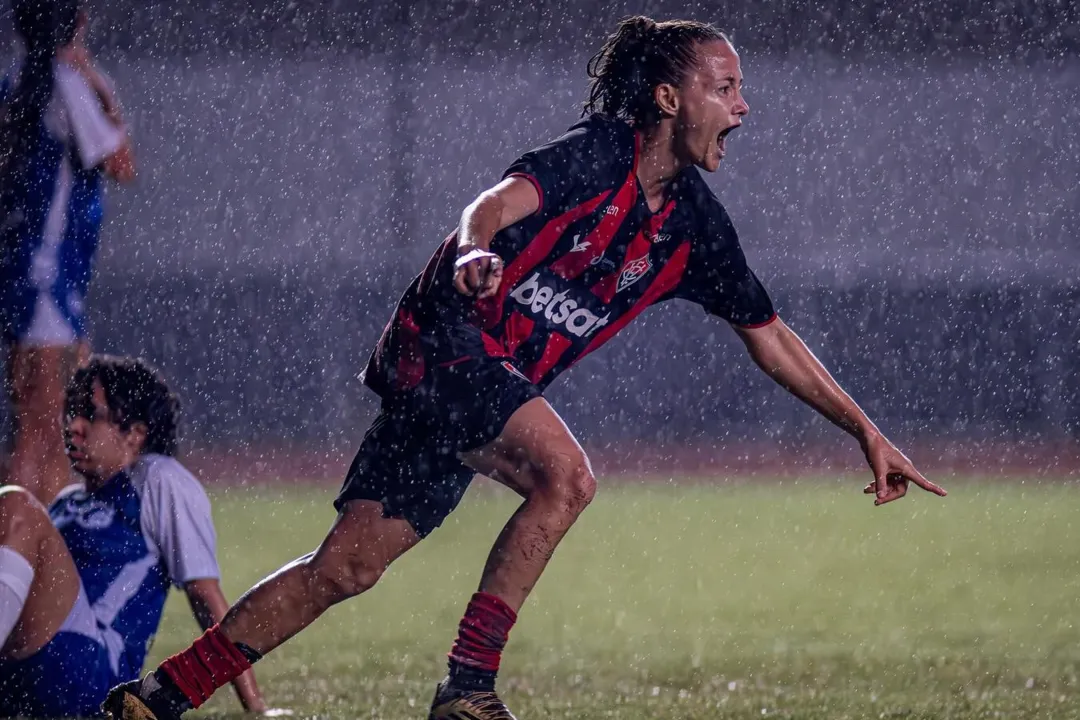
x=148 y=528
x=49 y=223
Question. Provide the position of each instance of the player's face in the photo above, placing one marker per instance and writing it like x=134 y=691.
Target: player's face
x=711 y=105
x=98 y=447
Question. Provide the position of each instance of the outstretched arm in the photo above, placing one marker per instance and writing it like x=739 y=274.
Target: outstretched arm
x=209 y=606
x=785 y=358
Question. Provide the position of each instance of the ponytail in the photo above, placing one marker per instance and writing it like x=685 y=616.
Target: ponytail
x=640 y=55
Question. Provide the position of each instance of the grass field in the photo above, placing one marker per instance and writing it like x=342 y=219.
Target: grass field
x=786 y=600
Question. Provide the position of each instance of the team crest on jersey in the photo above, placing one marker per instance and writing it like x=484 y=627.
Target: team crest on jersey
x=633 y=271
x=95 y=515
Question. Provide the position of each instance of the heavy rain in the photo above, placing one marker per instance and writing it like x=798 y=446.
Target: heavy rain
x=905 y=186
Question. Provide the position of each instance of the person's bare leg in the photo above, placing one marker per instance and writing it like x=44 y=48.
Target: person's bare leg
x=26 y=529
x=536 y=455
x=356 y=551
x=38 y=376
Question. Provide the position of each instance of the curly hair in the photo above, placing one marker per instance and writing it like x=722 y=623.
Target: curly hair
x=135 y=393
x=640 y=55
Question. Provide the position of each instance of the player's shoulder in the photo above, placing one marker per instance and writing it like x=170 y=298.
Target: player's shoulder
x=602 y=129
x=66 y=73
x=72 y=87
x=705 y=217
x=696 y=194
x=596 y=141
x=153 y=473
x=74 y=491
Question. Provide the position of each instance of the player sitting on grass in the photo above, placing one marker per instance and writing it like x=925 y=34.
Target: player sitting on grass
x=593 y=228
x=83 y=584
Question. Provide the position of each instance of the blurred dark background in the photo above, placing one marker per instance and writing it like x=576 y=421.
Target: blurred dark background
x=907 y=185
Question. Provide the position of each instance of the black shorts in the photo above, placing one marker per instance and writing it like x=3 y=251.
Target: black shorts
x=408 y=460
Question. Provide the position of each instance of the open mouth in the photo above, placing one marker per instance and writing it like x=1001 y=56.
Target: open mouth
x=74 y=453
x=721 y=139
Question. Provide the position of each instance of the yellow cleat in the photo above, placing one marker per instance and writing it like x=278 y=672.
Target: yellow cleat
x=125 y=702
x=451 y=705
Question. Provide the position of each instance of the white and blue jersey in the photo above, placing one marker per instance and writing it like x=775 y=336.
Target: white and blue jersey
x=50 y=223
x=148 y=528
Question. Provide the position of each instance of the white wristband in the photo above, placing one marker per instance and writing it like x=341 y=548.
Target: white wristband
x=473 y=255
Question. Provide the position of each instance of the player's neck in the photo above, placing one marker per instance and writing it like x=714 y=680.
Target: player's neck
x=657 y=166
x=97 y=480
x=93 y=483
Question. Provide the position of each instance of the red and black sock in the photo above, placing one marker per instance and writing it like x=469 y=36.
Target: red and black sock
x=189 y=678
x=482 y=635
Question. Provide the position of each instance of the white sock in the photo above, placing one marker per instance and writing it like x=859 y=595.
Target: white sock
x=16 y=575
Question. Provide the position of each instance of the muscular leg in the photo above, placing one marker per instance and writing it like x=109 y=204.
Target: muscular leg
x=38 y=378
x=535 y=455
x=538 y=457
x=26 y=529
x=359 y=547
x=356 y=551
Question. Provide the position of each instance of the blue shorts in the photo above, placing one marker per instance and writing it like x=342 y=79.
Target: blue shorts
x=46 y=261
x=69 y=677
x=52 y=318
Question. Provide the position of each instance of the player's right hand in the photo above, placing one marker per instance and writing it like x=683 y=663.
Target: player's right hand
x=477 y=272
x=893 y=472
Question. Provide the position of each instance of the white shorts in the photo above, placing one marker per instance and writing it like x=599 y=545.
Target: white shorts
x=48 y=326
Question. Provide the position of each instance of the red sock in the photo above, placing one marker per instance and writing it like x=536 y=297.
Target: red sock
x=211 y=661
x=482 y=632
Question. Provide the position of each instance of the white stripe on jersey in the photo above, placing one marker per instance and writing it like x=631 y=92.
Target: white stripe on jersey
x=119 y=593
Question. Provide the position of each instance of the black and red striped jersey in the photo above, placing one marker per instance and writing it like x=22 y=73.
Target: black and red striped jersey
x=578 y=270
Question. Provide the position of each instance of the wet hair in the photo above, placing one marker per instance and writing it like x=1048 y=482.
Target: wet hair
x=44 y=26
x=135 y=393
x=640 y=55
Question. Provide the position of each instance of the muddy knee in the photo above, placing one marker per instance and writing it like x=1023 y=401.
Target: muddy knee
x=21 y=516
x=339 y=576
x=570 y=487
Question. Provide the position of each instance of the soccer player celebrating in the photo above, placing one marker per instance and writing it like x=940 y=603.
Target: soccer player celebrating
x=83 y=585
x=580 y=236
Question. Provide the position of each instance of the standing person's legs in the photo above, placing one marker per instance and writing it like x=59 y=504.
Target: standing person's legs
x=536 y=455
x=37 y=377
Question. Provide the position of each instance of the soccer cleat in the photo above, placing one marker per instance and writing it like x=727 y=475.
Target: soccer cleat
x=127 y=702
x=451 y=704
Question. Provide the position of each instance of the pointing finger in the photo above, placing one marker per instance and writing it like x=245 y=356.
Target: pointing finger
x=917 y=477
